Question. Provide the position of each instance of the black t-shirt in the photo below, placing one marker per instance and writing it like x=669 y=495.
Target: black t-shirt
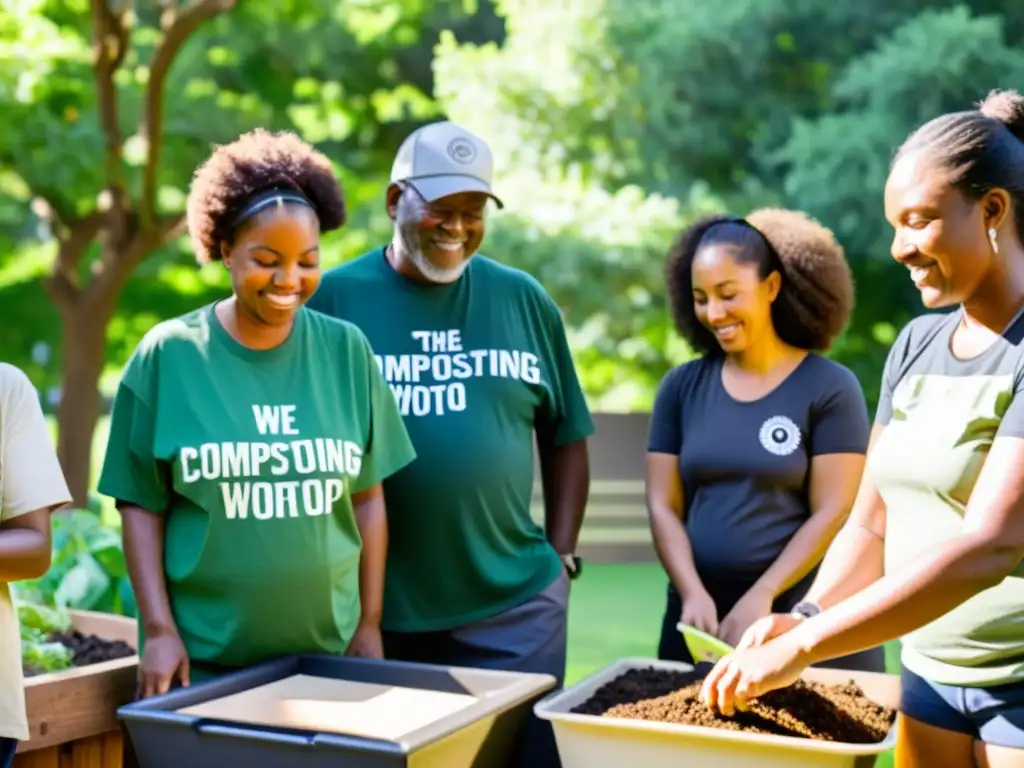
x=745 y=466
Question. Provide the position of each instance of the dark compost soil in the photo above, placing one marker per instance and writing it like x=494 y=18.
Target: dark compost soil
x=839 y=713
x=87 y=649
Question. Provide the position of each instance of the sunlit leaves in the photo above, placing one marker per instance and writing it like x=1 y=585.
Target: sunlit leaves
x=765 y=102
x=935 y=62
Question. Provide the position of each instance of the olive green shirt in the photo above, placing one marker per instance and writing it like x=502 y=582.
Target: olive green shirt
x=941 y=415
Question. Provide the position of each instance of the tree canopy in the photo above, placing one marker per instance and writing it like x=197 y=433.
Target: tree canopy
x=613 y=124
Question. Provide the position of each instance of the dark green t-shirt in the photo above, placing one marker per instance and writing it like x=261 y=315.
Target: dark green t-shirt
x=475 y=366
x=252 y=457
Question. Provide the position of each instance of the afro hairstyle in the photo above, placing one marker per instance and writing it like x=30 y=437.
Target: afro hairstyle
x=816 y=296
x=253 y=163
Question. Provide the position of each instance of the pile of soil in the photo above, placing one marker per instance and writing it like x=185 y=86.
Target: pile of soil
x=87 y=649
x=839 y=713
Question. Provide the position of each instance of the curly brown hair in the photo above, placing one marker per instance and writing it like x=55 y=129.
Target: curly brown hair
x=816 y=296
x=254 y=162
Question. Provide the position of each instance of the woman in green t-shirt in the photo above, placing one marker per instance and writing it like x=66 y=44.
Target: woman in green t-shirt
x=933 y=552
x=249 y=438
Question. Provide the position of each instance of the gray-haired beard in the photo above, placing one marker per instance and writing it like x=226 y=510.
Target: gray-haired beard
x=431 y=271
x=407 y=245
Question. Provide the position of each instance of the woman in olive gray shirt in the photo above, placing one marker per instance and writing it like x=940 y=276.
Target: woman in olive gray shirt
x=933 y=553
x=756 y=447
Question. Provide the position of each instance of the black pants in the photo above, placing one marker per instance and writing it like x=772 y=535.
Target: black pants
x=7 y=749
x=726 y=593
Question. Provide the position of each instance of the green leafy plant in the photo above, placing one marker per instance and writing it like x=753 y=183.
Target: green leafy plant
x=88 y=571
x=39 y=623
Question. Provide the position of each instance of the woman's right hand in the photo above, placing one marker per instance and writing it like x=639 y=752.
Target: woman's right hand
x=699 y=611
x=163 y=659
x=768 y=628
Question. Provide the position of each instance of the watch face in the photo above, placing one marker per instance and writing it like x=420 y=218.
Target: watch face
x=807 y=610
x=573 y=565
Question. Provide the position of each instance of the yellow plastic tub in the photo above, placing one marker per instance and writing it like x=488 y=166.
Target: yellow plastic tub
x=587 y=741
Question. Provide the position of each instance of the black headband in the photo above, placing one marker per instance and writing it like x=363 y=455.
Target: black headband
x=772 y=253
x=268 y=197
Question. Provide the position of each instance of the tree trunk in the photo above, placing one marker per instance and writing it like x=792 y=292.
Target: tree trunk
x=83 y=353
x=127 y=232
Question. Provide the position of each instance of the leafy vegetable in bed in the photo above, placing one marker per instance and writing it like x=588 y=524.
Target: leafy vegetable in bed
x=46 y=657
x=38 y=624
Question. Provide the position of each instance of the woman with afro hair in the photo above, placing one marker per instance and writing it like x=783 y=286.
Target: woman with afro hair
x=757 y=446
x=249 y=439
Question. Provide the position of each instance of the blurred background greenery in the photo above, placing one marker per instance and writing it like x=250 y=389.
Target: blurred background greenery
x=613 y=124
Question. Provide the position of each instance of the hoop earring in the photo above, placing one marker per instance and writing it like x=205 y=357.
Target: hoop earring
x=992 y=239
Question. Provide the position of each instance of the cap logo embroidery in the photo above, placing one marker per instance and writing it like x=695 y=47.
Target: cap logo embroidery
x=461 y=151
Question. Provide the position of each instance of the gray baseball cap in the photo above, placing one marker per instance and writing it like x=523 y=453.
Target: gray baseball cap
x=442 y=159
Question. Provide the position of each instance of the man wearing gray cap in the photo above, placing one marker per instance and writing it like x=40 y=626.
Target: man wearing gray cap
x=476 y=356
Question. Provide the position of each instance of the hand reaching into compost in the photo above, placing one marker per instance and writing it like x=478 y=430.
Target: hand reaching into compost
x=163 y=659
x=366 y=643
x=699 y=611
x=754 y=605
x=752 y=672
x=768 y=628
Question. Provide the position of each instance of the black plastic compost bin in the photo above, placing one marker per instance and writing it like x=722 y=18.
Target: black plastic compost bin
x=478 y=736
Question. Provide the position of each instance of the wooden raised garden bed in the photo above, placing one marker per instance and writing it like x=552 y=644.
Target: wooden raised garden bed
x=73 y=713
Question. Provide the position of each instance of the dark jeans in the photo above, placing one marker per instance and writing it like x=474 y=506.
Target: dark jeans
x=7 y=749
x=528 y=638
x=726 y=593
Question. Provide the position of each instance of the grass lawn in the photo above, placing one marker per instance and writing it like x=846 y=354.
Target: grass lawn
x=615 y=612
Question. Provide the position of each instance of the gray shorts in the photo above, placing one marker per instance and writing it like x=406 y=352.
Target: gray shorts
x=531 y=637
x=993 y=715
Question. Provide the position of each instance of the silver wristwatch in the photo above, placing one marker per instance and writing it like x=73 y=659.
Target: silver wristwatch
x=573 y=565
x=806 y=610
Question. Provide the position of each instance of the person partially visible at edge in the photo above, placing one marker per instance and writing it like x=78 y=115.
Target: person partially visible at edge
x=32 y=486
x=476 y=354
x=756 y=447
x=933 y=549
x=249 y=438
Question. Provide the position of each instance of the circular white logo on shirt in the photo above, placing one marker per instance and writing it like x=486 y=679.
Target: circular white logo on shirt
x=461 y=151
x=779 y=435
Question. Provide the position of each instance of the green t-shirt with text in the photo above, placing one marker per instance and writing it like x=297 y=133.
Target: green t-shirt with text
x=252 y=457
x=474 y=366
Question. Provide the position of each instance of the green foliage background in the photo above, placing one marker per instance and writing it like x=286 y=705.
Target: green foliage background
x=613 y=124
